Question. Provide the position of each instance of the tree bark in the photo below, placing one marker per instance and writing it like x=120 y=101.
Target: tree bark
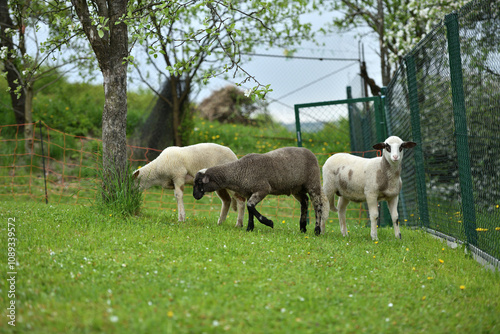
x=114 y=118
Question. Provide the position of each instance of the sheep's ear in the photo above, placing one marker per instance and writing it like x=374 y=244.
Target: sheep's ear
x=205 y=179
x=379 y=146
x=136 y=174
x=408 y=144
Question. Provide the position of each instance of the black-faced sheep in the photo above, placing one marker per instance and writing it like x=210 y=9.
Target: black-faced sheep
x=177 y=166
x=359 y=179
x=285 y=171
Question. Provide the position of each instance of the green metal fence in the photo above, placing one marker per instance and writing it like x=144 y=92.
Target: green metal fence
x=445 y=96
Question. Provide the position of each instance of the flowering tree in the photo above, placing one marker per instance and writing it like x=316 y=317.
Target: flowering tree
x=22 y=21
x=191 y=42
x=397 y=24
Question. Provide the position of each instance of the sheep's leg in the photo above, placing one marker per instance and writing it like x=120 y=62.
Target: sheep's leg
x=179 y=193
x=329 y=190
x=322 y=210
x=304 y=202
x=342 y=208
x=252 y=211
x=240 y=203
x=226 y=204
x=373 y=210
x=393 y=209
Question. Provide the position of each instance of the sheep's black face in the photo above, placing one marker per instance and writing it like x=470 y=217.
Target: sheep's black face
x=198 y=190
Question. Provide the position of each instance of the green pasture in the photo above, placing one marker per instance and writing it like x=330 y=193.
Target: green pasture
x=84 y=271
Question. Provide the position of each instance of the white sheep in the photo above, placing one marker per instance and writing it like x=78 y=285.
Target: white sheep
x=177 y=166
x=357 y=179
x=285 y=171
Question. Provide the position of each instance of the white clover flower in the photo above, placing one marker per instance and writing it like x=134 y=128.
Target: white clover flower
x=248 y=92
x=113 y=318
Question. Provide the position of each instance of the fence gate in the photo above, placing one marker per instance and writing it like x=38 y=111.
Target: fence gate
x=361 y=122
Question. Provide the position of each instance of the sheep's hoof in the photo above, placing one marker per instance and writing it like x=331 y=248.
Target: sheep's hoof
x=399 y=236
x=317 y=230
x=267 y=222
x=249 y=228
x=303 y=230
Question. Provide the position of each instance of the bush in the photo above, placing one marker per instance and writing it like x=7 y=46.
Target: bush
x=118 y=193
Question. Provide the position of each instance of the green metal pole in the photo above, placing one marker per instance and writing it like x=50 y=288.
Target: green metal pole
x=297 y=126
x=351 y=120
x=385 y=216
x=461 y=135
x=411 y=75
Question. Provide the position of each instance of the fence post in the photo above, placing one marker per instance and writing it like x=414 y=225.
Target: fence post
x=297 y=126
x=351 y=119
x=460 y=119
x=381 y=129
x=43 y=162
x=411 y=75
x=380 y=120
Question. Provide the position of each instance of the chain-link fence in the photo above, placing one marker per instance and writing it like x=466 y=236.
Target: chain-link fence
x=446 y=97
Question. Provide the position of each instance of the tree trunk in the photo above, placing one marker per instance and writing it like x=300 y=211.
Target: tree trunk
x=9 y=66
x=114 y=119
x=111 y=49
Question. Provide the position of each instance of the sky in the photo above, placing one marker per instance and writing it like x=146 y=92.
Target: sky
x=297 y=81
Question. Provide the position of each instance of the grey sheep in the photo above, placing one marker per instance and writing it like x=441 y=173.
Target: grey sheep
x=285 y=171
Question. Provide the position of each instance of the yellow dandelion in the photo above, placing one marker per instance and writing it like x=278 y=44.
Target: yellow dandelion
x=307 y=237
x=429 y=277
x=308 y=253
x=462 y=287
x=376 y=242
x=110 y=214
x=497 y=228
x=283 y=221
x=413 y=269
x=441 y=261
x=373 y=256
x=407 y=249
x=497 y=206
x=442 y=248
x=424 y=297
x=170 y=314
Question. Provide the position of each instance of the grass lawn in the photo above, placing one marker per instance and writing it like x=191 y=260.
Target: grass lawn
x=81 y=271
